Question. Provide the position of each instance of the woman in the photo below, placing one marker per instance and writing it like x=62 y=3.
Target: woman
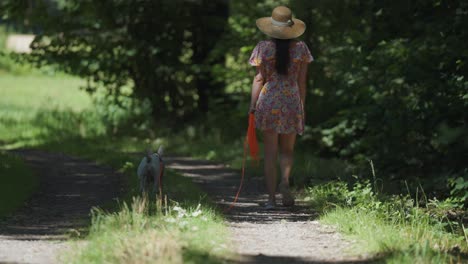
x=278 y=95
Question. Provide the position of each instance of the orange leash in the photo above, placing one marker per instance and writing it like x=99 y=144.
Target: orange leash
x=251 y=143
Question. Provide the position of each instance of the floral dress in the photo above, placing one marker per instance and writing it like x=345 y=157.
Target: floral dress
x=279 y=106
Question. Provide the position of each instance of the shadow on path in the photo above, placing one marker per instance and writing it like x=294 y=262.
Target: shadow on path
x=221 y=183
x=68 y=189
x=283 y=235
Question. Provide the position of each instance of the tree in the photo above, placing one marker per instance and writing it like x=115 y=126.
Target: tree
x=393 y=76
x=158 y=48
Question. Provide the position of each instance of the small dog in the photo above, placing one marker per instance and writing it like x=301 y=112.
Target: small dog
x=151 y=170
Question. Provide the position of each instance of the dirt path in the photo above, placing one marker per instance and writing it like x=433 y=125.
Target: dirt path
x=285 y=235
x=69 y=188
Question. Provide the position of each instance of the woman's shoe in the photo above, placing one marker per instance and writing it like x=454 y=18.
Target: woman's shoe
x=287 y=197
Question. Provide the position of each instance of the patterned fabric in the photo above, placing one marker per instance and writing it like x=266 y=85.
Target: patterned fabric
x=279 y=106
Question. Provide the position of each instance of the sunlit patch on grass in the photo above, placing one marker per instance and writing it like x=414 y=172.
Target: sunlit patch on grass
x=153 y=231
x=396 y=228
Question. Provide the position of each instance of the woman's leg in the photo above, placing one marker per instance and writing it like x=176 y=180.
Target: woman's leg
x=286 y=147
x=270 y=139
x=286 y=152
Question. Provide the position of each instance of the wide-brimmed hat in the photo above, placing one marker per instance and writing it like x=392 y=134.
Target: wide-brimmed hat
x=281 y=25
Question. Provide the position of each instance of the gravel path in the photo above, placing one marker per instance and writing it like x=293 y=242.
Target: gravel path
x=284 y=235
x=69 y=188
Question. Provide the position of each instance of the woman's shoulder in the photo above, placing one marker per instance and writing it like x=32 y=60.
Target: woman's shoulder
x=301 y=47
x=299 y=43
x=303 y=52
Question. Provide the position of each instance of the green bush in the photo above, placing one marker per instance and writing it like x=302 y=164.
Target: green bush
x=10 y=65
x=459 y=191
x=123 y=114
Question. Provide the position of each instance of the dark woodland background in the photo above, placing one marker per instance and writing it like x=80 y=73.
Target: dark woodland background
x=389 y=82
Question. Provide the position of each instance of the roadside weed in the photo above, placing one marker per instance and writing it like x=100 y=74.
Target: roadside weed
x=399 y=228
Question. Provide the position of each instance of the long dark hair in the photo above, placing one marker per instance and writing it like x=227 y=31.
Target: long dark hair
x=282 y=55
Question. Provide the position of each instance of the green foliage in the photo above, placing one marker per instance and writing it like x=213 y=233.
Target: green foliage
x=389 y=81
x=382 y=87
x=394 y=208
x=336 y=193
x=3 y=36
x=414 y=241
x=396 y=227
x=459 y=192
x=386 y=87
x=114 y=42
x=123 y=114
x=9 y=65
x=327 y=196
x=17 y=183
x=238 y=42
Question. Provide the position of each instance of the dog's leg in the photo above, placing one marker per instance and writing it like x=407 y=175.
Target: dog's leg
x=161 y=176
x=142 y=183
x=155 y=183
x=147 y=174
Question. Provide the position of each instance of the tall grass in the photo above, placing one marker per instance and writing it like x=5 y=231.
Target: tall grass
x=398 y=227
x=151 y=231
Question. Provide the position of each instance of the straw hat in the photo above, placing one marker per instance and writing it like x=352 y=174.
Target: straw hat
x=281 y=25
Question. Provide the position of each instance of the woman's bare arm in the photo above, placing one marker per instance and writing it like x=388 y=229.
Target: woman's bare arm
x=257 y=85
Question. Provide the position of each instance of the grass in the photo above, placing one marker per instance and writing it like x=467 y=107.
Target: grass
x=17 y=183
x=187 y=230
x=151 y=231
x=51 y=113
x=417 y=240
x=30 y=105
x=397 y=229
x=29 y=94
